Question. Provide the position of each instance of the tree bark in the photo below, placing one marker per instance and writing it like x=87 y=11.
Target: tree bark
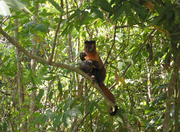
x=172 y=89
x=20 y=87
x=33 y=61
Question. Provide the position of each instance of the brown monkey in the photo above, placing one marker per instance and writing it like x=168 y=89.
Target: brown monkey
x=93 y=66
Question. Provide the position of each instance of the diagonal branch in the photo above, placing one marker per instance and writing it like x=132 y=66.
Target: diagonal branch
x=43 y=61
x=30 y=55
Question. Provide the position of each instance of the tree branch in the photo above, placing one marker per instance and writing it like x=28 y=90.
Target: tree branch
x=114 y=41
x=43 y=61
x=55 y=40
x=30 y=55
x=56 y=33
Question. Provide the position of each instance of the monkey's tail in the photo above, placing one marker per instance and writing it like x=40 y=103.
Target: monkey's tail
x=110 y=97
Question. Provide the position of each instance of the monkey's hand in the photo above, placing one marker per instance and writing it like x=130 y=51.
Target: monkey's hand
x=82 y=56
x=89 y=62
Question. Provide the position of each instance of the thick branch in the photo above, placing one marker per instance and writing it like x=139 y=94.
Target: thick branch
x=43 y=61
x=30 y=55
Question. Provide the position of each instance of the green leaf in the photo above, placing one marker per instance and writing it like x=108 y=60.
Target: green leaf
x=60 y=87
x=40 y=95
x=141 y=12
x=117 y=8
x=104 y=5
x=41 y=28
x=68 y=29
x=56 y=5
x=177 y=15
x=17 y=5
x=97 y=12
x=57 y=120
x=50 y=94
x=39 y=118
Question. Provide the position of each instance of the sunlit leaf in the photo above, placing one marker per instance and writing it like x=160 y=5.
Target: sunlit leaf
x=4 y=9
x=41 y=28
x=56 y=5
x=40 y=95
x=17 y=5
x=103 y=4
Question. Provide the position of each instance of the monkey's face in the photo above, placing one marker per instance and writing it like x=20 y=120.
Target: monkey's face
x=90 y=46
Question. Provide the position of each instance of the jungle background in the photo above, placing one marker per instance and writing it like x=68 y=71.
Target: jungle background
x=42 y=88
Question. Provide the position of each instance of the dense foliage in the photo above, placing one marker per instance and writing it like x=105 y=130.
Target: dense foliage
x=41 y=88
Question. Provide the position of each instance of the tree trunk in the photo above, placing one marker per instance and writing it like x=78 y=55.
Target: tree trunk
x=171 y=91
x=19 y=84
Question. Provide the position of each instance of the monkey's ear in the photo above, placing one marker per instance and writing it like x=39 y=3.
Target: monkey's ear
x=90 y=42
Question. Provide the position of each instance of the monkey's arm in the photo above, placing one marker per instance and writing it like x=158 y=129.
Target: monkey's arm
x=82 y=56
x=86 y=66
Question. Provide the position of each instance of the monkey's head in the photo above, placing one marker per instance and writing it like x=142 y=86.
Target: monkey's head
x=90 y=46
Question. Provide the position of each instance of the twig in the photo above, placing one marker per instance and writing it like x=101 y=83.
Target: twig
x=134 y=57
x=88 y=31
x=138 y=52
x=4 y=20
x=126 y=26
x=55 y=39
x=114 y=41
x=56 y=33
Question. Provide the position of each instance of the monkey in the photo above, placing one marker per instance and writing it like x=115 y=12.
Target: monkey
x=92 y=65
